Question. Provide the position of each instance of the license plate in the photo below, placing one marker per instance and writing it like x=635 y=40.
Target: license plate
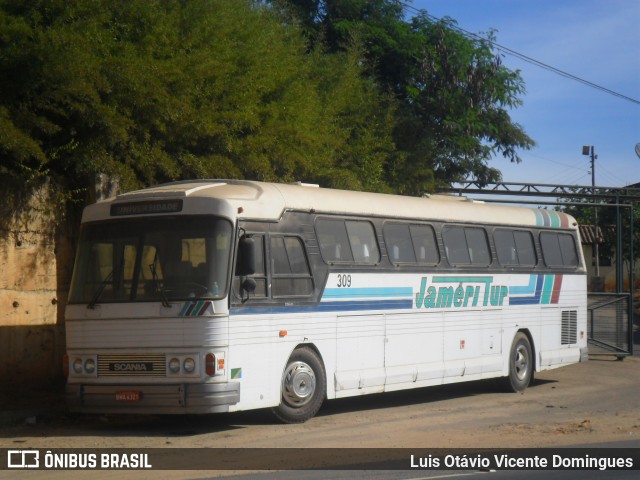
x=128 y=396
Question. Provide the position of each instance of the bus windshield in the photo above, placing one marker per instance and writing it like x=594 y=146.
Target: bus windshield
x=152 y=259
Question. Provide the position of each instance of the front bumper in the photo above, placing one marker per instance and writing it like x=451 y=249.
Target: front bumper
x=153 y=399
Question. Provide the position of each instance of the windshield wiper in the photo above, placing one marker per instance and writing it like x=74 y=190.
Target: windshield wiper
x=156 y=284
x=103 y=285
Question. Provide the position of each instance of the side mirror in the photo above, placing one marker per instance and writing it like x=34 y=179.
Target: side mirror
x=249 y=285
x=246 y=257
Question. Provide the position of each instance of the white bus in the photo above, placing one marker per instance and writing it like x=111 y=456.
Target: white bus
x=226 y=295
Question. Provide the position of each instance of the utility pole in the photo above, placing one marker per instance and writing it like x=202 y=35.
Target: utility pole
x=589 y=150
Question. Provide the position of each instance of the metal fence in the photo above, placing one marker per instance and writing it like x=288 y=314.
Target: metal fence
x=609 y=324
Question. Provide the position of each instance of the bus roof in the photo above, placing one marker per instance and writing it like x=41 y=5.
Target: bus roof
x=268 y=202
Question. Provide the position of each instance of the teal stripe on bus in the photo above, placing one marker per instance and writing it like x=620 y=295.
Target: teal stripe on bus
x=194 y=309
x=529 y=289
x=370 y=292
x=547 y=289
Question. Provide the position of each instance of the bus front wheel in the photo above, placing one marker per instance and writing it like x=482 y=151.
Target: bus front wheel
x=520 y=364
x=303 y=387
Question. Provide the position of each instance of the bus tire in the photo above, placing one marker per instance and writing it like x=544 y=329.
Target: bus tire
x=302 y=388
x=520 y=364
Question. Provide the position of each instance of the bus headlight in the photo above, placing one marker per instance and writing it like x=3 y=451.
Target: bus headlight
x=183 y=364
x=82 y=366
x=174 y=365
x=90 y=366
x=189 y=365
x=77 y=366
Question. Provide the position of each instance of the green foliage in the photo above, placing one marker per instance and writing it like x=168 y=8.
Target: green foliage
x=150 y=91
x=346 y=93
x=453 y=92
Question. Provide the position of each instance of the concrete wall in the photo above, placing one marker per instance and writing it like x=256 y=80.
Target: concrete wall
x=35 y=266
x=608 y=272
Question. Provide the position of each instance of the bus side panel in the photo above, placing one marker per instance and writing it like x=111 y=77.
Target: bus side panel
x=564 y=327
x=414 y=348
x=360 y=352
x=259 y=350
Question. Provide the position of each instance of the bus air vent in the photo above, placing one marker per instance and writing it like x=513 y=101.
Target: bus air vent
x=569 y=327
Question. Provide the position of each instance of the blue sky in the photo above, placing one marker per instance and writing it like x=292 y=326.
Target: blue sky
x=597 y=40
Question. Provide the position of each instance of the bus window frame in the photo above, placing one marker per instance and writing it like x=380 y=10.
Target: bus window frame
x=352 y=261
x=557 y=234
x=273 y=276
x=416 y=262
x=464 y=227
x=513 y=231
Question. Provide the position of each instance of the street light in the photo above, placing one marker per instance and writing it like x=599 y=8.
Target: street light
x=589 y=150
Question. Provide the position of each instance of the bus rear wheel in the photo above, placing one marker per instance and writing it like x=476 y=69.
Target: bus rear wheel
x=303 y=387
x=520 y=364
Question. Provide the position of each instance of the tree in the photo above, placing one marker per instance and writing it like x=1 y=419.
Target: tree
x=150 y=91
x=452 y=90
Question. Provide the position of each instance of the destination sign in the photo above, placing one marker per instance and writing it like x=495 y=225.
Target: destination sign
x=146 y=208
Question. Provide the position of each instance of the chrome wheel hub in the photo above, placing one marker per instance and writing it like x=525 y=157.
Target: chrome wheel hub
x=521 y=363
x=298 y=384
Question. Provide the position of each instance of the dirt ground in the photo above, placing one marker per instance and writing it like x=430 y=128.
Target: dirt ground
x=588 y=403
x=585 y=403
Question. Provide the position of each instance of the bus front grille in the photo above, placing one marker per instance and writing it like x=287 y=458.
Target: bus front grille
x=132 y=365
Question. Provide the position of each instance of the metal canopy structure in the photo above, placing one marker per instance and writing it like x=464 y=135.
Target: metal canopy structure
x=600 y=197
x=546 y=190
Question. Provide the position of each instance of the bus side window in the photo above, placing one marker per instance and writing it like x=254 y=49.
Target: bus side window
x=290 y=273
x=408 y=243
x=333 y=240
x=568 y=250
x=558 y=249
x=550 y=249
x=525 y=248
x=478 y=246
x=505 y=247
x=362 y=238
x=455 y=244
x=349 y=241
x=466 y=246
x=398 y=241
x=515 y=248
x=423 y=238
